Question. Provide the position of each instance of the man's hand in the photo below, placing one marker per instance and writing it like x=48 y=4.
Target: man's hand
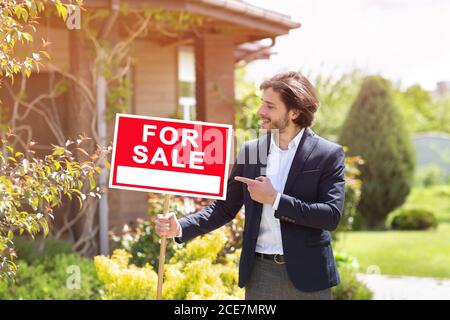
x=167 y=225
x=261 y=189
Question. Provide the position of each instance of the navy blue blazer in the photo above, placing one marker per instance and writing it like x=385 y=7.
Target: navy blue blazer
x=310 y=207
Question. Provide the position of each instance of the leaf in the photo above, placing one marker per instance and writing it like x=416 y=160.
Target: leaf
x=58 y=151
x=27 y=36
x=57 y=165
x=25 y=15
x=61 y=9
x=80 y=202
x=92 y=182
x=44 y=225
x=44 y=53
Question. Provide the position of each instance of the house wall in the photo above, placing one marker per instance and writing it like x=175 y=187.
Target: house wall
x=155 y=82
x=155 y=79
x=58 y=49
x=214 y=70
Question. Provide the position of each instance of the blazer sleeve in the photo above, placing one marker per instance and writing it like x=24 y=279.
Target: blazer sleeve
x=221 y=211
x=327 y=211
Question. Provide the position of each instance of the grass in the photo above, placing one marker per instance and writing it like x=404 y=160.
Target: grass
x=435 y=198
x=413 y=253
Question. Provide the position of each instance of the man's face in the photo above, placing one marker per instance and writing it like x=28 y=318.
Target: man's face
x=273 y=112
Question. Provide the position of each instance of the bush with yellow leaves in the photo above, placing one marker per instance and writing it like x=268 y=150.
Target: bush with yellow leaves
x=196 y=271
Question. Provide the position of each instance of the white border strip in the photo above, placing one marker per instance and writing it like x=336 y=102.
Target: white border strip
x=168 y=179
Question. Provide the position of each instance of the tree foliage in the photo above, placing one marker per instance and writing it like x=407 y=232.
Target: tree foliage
x=422 y=111
x=336 y=95
x=30 y=188
x=18 y=21
x=375 y=130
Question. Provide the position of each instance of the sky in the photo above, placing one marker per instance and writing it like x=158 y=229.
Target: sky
x=407 y=41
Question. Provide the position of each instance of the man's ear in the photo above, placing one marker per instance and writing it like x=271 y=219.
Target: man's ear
x=295 y=114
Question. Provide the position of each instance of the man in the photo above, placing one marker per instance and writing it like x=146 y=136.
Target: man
x=293 y=196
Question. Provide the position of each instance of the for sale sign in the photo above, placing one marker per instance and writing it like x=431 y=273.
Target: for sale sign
x=187 y=158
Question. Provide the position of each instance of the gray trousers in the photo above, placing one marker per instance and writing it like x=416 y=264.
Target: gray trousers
x=270 y=281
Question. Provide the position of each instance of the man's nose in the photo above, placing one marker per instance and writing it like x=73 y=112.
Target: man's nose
x=261 y=111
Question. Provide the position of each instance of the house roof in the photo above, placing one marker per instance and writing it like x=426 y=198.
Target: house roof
x=246 y=22
x=244 y=8
x=258 y=22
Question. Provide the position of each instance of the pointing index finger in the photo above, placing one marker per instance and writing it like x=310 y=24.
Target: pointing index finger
x=247 y=181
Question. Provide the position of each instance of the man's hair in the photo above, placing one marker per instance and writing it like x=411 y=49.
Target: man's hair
x=296 y=92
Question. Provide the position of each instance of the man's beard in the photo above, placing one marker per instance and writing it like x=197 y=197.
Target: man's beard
x=279 y=125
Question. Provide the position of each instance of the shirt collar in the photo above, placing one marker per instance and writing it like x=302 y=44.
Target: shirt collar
x=292 y=144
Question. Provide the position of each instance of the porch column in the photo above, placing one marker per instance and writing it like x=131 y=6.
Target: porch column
x=214 y=70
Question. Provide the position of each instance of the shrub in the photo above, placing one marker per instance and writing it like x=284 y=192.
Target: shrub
x=123 y=281
x=140 y=239
x=194 y=272
x=350 y=287
x=48 y=269
x=374 y=129
x=31 y=188
x=31 y=251
x=50 y=278
x=142 y=242
x=412 y=218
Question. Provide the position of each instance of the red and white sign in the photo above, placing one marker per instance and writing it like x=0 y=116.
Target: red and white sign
x=187 y=158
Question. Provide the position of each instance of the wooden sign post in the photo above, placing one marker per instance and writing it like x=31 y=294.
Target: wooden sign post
x=162 y=253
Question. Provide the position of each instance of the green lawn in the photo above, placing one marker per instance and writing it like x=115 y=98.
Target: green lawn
x=436 y=198
x=415 y=253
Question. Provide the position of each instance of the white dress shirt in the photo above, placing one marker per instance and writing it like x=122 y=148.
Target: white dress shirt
x=278 y=165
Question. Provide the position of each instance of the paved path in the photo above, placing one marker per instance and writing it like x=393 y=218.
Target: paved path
x=406 y=288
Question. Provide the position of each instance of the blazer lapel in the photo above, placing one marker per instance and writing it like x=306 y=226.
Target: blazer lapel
x=304 y=149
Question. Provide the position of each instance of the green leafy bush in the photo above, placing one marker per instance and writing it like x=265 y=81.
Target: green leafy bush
x=31 y=251
x=375 y=130
x=53 y=278
x=48 y=270
x=350 y=287
x=142 y=242
x=412 y=218
x=30 y=188
x=195 y=271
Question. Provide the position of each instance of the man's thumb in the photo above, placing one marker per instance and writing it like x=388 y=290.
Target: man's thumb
x=171 y=216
